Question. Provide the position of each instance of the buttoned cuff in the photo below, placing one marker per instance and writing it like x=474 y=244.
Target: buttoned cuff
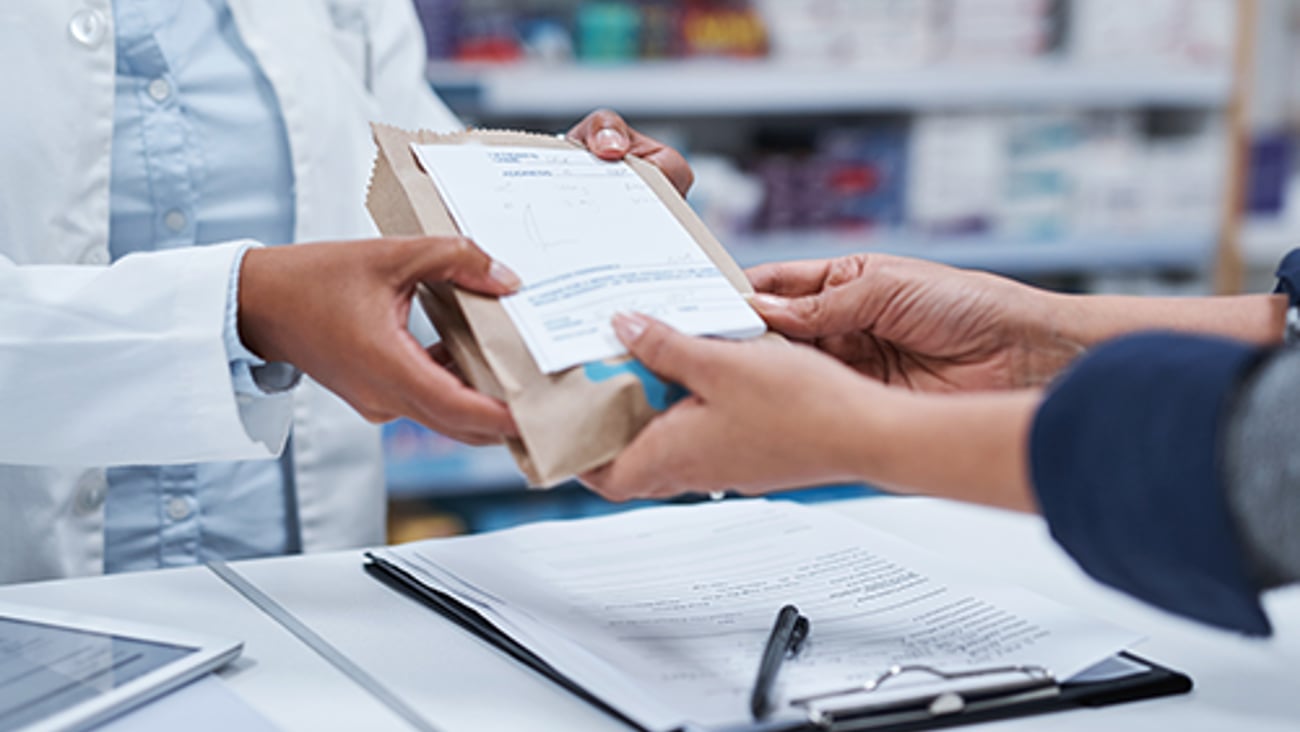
x=1288 y=283
x=250 y=375
x=1126 y=460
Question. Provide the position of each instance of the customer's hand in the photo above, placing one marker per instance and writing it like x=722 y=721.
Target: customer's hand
x=338 y=311
x=918 y=324
x=764 y=415
x=761 y=415
x=609 y=137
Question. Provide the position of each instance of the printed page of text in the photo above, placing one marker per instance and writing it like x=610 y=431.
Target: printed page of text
x=589 y=238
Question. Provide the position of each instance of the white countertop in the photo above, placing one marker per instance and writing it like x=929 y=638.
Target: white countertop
x=460 y=683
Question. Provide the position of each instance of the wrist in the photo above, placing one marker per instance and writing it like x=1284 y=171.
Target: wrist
x=254 y=304
x=981 y=441
x=1256 y=319
x=1056 y=334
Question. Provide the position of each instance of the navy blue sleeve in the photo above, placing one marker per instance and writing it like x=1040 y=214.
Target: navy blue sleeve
x=1126 y=464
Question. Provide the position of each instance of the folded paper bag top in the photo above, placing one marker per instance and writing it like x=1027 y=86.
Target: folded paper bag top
x=570 y=421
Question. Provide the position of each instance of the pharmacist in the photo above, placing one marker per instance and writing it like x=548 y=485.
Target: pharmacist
x=1164 y=458
x=139 y=126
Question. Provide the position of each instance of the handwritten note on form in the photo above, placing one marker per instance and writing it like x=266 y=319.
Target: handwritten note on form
x=589 y=239
x=663 y=612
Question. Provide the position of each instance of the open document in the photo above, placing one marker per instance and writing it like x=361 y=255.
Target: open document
x=589 y=239
x=663 y=613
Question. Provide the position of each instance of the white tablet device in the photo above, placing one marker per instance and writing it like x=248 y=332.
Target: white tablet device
x=68 y=671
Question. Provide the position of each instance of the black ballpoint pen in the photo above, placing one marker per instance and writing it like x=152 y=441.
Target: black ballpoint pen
x=788 y=634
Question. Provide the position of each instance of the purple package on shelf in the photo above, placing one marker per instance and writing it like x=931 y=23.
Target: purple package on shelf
x=441 y=20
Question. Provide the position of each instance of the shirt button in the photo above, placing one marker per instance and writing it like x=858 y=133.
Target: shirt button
x=178 y=509
x=175 y=220
x=159 y=89
x=91 y=492
x=88 y=27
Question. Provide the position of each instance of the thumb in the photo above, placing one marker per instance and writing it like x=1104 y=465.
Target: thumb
x=459 y=260
x=679 y=358
x=830 y=312
x=605 y=133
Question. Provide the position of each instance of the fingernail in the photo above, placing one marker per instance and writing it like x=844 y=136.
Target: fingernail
x=768 y=302
x=629 y=326
x=503 y=275
x=608 y=140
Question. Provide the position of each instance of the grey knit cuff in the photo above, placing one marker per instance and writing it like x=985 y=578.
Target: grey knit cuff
x=1262 y=468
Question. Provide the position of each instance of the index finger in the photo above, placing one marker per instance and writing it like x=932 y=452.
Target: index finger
x=437 y=399
x=436 y=259
x=790 y=279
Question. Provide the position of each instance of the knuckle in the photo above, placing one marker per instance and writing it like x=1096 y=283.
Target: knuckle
x=849 y=268
x=811 y=310
x=461 y=254
x=460 y=247
x=653 y=347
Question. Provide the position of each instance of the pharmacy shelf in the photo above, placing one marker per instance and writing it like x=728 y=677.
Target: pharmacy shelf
x=702 y=88
x=466 y=471
x=1094 y=254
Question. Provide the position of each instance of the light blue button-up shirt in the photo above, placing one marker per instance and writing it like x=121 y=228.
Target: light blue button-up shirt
x=200 y=155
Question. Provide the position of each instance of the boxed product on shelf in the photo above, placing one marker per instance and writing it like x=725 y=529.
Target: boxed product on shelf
x=1018 y=177
x=1042 y=154
x=441 y=20
x=722 y=30
x=955 y=172
x=858 y=32
x=996 y=30
x=1153 y=32
x=607 y=31
x=1108 y=195
x=853 y=179
x=1182 y=182
x=598 y=31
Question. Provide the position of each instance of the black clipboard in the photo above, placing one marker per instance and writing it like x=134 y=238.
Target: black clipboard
x=924 y=713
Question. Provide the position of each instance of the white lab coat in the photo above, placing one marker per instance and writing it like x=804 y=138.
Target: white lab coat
x=153 y=386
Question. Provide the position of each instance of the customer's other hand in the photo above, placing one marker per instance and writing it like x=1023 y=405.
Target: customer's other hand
x=914 y=323
x=339 y=310
x=761 y=415
x=609 y=137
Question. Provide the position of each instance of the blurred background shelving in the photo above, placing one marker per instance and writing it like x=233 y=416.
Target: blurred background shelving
x=728 y=88
x=1104 y=145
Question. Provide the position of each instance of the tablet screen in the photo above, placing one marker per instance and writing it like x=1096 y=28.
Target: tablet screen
x=48 y=668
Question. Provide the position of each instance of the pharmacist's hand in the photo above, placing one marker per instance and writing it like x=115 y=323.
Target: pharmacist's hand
x=922 y=325
x=607 y=135
x=339 y=310
x=761 y=415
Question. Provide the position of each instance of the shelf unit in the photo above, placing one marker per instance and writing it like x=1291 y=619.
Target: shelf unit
x=705 y=88
x=719 y=88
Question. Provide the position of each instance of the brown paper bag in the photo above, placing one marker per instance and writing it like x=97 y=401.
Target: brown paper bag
x=571 y=421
